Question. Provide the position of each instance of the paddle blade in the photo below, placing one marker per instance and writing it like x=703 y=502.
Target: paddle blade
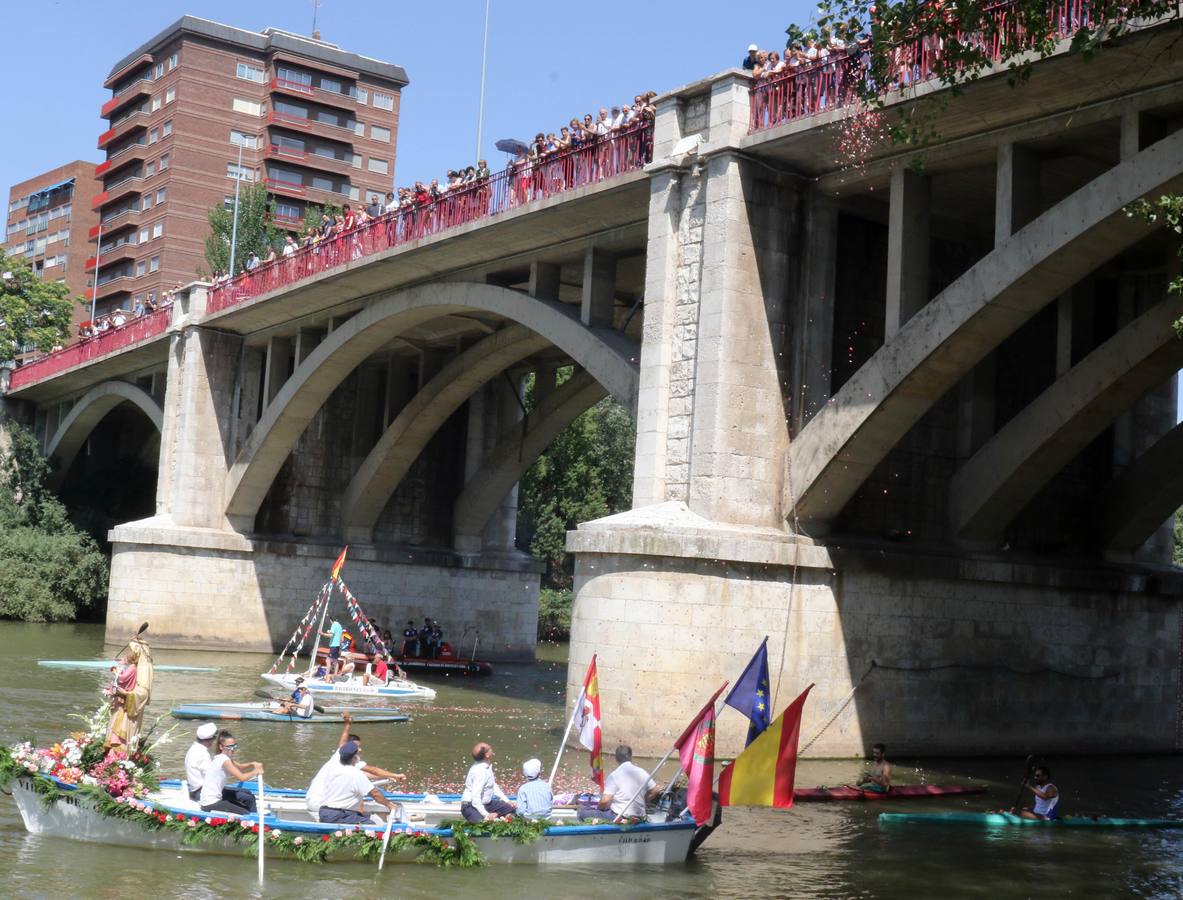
x=143 y=628
x=263 y=695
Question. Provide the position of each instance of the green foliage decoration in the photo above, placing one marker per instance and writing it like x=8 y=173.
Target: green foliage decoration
x=32 y=311
x=49 y=570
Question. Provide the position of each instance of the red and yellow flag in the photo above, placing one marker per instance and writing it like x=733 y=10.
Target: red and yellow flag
x=763 y=774
x=697 y=752
x=587 y=720
x=336 y=571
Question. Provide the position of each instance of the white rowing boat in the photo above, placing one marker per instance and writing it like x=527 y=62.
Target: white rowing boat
x=75 y=817
x=354 y=686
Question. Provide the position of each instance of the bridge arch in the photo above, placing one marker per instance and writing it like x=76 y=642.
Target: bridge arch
x=1145 y=495
x=994 y=485
x=86 y=414
x=840 y=447
x=607 y=354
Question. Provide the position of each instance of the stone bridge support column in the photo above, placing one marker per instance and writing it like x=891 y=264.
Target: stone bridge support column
x=908 y=237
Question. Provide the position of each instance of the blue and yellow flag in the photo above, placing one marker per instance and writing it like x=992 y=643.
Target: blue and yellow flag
x=750 y=694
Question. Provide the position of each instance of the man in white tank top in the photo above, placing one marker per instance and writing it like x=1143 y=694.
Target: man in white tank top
x=1047 y=796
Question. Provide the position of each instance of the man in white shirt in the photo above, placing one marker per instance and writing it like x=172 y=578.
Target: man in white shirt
x=197 y=757
x=626 y=790
x=345 y=790
x=483 y=800
x=314 y=797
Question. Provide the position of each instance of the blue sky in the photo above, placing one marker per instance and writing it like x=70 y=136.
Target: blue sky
x=547 y=62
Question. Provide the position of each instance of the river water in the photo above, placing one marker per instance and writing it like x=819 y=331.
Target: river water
x=827 y=850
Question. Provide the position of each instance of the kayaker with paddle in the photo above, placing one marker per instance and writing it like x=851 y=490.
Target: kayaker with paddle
x=1047 y=796
x=300 y=704
x=878 y=779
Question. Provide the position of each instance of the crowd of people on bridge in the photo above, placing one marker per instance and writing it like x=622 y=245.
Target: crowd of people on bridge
x=119 y=317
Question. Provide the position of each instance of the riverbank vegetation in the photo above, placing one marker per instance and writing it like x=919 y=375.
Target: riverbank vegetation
x=50 y=570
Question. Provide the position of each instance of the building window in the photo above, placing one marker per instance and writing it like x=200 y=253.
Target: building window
x=170 y=95
x=383 y=101
x=250 y=107
x=294 y=75
x=363 y=96
x=147 y=204
x=153 y=136
x=143 y=235
x=378 y=133
x=158 y=72
x=172 y=61
x=380 y=166
x=167 y=128
x=141 y=268
x=160 y=195
x=287 y=210
x=330 y=84
x=355 y=160
x=164 y=162
x=322 y=184
x=290 y=109
x=242 y=173
x=154 y=264
x=157 y=229
x=150 y=169
x=249 y=72
x=227 y=202
x=250 y=141
x=155 y=104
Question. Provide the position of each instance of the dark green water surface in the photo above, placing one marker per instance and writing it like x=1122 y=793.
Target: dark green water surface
x=813 y=851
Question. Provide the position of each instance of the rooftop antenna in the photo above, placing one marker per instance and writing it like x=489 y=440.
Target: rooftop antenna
x=315 y=10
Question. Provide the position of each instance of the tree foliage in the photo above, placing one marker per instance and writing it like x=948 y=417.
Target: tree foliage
x=1179 y=537
x=49 y=570
x=586 y=473
x=32 y=311
x=256 y=230
x=312 y=216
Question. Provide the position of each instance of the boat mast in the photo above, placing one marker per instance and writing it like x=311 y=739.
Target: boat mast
x=320 y=627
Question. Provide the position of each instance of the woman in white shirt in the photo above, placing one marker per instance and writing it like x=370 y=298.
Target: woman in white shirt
x=215 y=796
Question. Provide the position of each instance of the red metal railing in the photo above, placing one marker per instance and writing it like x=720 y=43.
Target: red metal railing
x=835 y=81
x=134 y=332
x=513 y=187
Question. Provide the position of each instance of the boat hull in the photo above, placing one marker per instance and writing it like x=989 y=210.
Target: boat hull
x=1010 y=820
x=444 y=664
x=407 y=690
x=247 y=712
x=900 y=792
x=657 y=844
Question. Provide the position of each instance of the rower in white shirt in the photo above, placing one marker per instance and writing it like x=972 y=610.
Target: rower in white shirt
x=483 y=800
x=197 y=757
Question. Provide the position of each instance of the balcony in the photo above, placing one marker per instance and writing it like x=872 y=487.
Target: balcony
x=99 y=200
x=120 y=252
x=295 y=223
x=138 y=88
x=126 y=125
x=120 y=220
x=308 y=92
x=122 y=188
x=311 y=160
x=324 y=129
x=122 y=157
x=287 y=188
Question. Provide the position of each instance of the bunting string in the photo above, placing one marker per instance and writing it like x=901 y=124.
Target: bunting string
x=358 y=616
x=303 y=629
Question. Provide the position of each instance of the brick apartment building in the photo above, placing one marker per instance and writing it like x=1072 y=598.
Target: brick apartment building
x=316 y=123
x=49 y=217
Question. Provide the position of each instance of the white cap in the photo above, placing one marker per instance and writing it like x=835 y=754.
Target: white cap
x=752 y=47
x=532 y=768
x=206 y=731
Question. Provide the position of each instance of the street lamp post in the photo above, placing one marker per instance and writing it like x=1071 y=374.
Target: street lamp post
x=234 y=227
x=98 y=257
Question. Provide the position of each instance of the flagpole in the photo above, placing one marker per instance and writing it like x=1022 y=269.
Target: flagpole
x=567 y=733
x=641 y=789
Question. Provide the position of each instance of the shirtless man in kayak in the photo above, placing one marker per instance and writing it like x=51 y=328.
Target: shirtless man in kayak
x=1047 y=796
x=878 y=779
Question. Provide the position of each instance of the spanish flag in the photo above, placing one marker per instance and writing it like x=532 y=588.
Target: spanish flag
x=763 y=774
x=336 y=572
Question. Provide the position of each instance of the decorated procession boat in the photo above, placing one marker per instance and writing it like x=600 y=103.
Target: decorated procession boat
x=447 y=662
x=66 y=812
x=354 y=686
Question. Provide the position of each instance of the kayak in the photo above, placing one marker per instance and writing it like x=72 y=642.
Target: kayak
x=111 y=663
x=1005 y=820
x=898 y=792
x=262 y=712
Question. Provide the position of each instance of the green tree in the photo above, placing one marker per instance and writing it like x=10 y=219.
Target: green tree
x=1179 y=537
x=312 y=216
x=49 y=570
x=32 y=311
x=256 y=231
x=585 y=474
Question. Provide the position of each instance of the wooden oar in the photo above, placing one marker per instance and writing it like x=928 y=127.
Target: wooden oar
x=1023 y=783
x=263 y=695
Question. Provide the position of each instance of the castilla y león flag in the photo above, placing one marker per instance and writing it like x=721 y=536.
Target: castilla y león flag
x=587 y=720
x=763 y=774
x=336 y=571
x=696 y=748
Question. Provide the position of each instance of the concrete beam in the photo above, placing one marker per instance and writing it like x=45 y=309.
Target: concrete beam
x=598 y=304
x=992 y=488
x=277 y=367
x=1016 y=192
x=400 y=445
x=813 y=313
x=609 y=356
x=515 y=452
x=1135 y=504
x=908 y=239
x=67 y=438
x=835 y=452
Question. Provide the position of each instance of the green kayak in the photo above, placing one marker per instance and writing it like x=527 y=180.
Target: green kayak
x=1004 y=820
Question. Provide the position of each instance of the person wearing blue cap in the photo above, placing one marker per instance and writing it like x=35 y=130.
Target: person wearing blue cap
x=346 y=789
